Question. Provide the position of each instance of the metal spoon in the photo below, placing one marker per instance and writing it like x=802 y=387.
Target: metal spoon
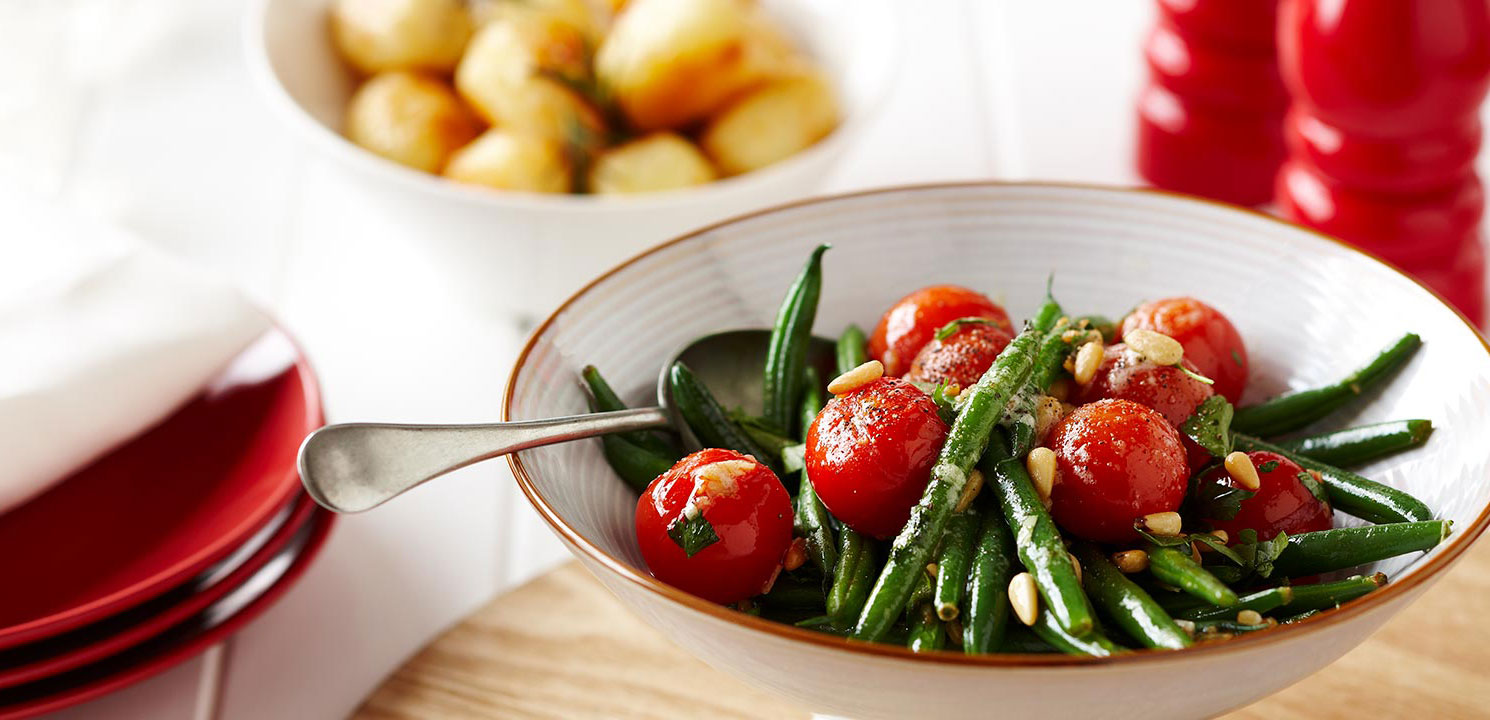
x=354 y=467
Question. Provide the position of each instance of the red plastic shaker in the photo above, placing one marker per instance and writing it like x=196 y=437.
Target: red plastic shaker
x=1384 y=129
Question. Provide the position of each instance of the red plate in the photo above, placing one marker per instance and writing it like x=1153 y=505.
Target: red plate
x=117 y=633
x=178 y=644
x=164 y=507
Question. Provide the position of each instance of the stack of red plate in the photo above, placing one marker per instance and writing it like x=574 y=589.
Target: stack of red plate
x=166 y=545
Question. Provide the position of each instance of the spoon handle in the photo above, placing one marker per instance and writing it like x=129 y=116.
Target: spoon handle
x=357 y=466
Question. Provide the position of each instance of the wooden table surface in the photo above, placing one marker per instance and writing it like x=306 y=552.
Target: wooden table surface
x=515 y=659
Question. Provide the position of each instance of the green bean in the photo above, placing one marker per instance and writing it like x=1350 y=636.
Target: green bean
x=1325 y=596
x=1290 y=412
x=789 y=593
x=1019 y=420
x=1036 y=538
x=786 y=356
x=1177 y=568
x=852 y=349
x=1348 y=492
x=764 y=437
x=1305 y=615
x=1023 y=641
x=1093 y=643
x=921 y=593
x=1048 y=315
x=819 y=623
x=1228 y=626
x=1177 y=602
x=852 y=577
x=811 y=519
x=987 y=615
x=965 y=443
x=708 y=420
x=1360 y=445
x=604 y=399
x=1317 y=552
x=1262 y=601
x=952 y=563
x=1129 y=607
x=926 y=631
x=1050 y=361
x=637 y=466
x=812 y=399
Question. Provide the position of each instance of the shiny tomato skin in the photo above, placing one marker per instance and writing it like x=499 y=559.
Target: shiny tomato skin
x=753 y=520
x=962 y=358
x=870 y=452
x=1116 y=461
x=1211 y=342
x=1125 y=375
x=1282 y=503
x=913 y=321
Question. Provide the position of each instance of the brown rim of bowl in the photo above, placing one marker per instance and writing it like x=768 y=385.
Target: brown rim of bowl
x=1457 y=543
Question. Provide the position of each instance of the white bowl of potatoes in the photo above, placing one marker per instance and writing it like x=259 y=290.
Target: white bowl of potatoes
x=529 y=144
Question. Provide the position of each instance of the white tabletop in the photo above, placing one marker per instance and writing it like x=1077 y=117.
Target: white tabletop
x=141 y=111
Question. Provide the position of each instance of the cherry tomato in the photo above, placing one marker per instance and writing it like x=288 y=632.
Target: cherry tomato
x=961 y=358
x=1127 y=375
x=913 y=321
x=1116 y=461
x=746 y=505
x=870 y=452
x=1282 y=502
x=1211 y=342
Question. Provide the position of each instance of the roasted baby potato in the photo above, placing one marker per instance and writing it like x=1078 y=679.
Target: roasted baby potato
x=410 y=118
x=669 y=63
x=382 y=35
x=520 y=73
x=591 y=17
x=770 y=124
x=512 y=161
x=660 y=161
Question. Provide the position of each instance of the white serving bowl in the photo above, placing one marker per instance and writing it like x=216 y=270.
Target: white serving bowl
x=1309 y=309
x=524 y=252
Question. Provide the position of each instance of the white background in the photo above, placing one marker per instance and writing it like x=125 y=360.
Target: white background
x=141 y=111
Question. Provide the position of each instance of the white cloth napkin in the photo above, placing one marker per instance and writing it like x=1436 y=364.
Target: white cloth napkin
x=101 y=337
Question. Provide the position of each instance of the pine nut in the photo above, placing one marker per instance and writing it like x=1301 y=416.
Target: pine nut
x=1088 y=360
x=970 y=490
x=1158 y=348
x=1221 y=535
x=951 y=391
x=1131 y=561
x=1048 y=412
x=1195 y=553
x=1024 y=598
x=1041 y=465
x=857 y=378
x=1187 y=625
x=1241 y=469
x=1249 y=617
x=1075 y=565
x=796 y=554
x=1163 y=523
